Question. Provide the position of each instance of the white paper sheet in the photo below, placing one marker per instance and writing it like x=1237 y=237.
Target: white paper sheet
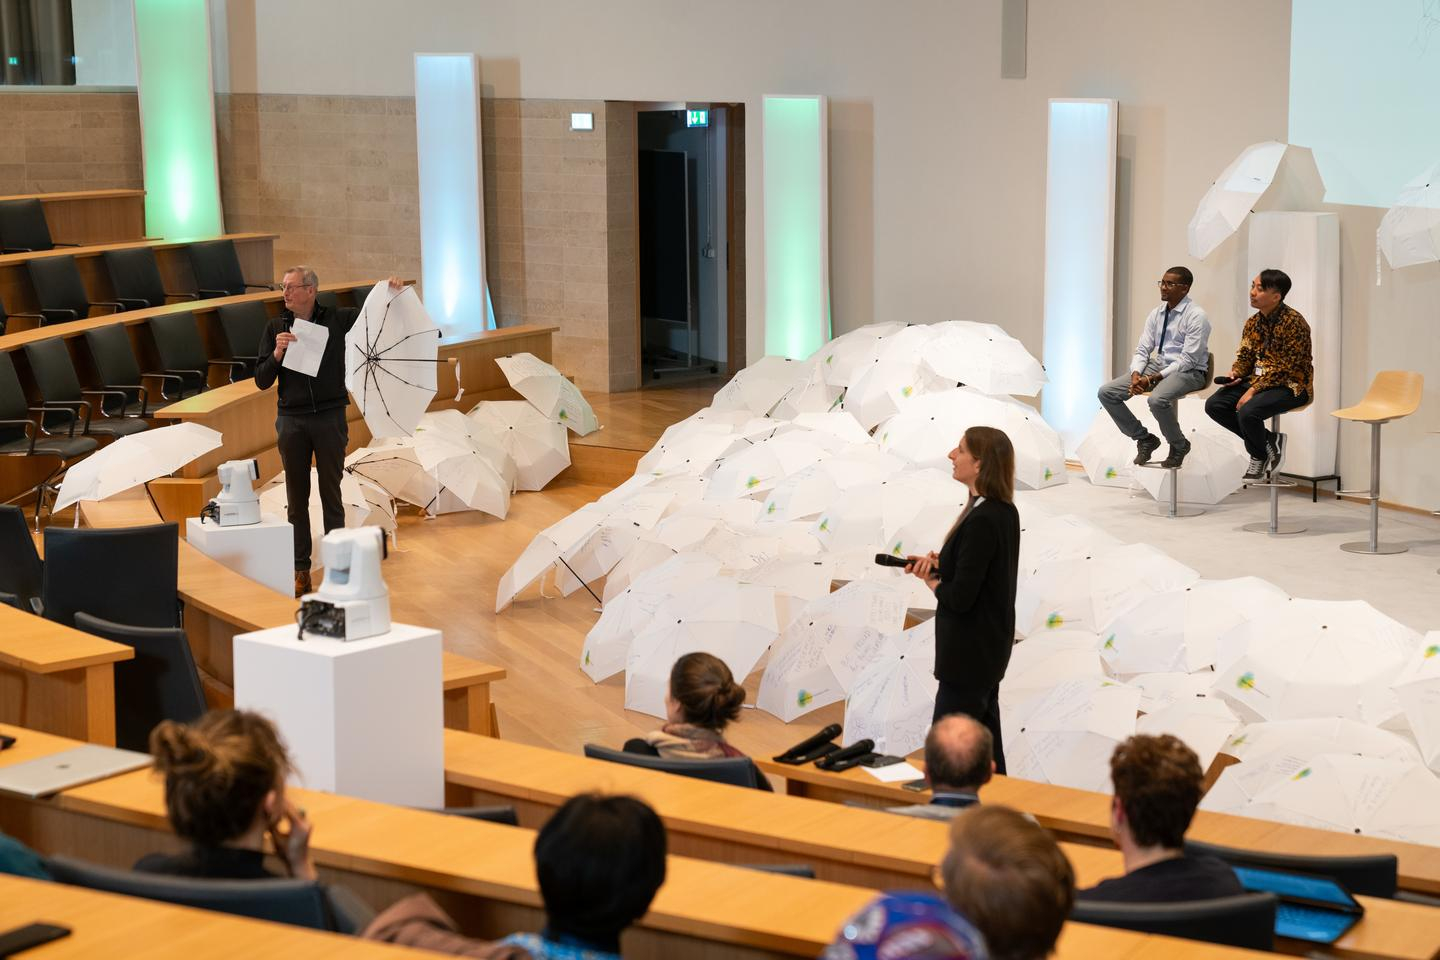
x=895 y=773
x=303 y=356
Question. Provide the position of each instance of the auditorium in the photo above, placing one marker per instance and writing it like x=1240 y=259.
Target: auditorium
x=559 y=480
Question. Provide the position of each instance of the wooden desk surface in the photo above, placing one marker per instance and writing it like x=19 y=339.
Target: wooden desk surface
x=110 y=925
x=95 y=250
x=1085 y=815
x=32 y=745
x=37 y=645
x=71 y=195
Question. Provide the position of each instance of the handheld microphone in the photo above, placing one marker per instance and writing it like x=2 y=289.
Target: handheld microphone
x=890 y=560
x=811 y=747
x=1222 y=381
x=847 y=757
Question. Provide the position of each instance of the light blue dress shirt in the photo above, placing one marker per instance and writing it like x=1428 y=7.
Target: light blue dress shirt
x=1181 y=340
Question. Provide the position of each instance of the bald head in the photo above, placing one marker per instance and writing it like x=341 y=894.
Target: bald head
x=959 y=754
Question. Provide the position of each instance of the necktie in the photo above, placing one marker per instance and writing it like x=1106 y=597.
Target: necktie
x=1160 y=347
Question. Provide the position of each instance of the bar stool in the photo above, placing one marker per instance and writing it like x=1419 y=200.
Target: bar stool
x=1393 y=394
x=1172 y=510
x=1273 y=527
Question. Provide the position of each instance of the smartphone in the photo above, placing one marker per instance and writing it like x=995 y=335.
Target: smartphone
x=880 y=760
x=33 y=935
x=916 y=786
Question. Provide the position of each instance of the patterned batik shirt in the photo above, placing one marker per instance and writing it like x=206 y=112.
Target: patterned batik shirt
x=1277 y=351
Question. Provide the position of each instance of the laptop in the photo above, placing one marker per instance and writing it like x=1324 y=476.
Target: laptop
x=69 y=768
x=1312 y=908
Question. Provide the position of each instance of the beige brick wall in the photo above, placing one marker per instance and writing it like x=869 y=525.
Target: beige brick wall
x=624 y=246
x=54 y=142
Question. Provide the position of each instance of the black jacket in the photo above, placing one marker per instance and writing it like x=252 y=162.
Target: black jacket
x=975 y=599
x=299 y=393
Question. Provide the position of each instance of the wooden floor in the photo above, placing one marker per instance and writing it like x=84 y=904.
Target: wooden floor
x=444 y=573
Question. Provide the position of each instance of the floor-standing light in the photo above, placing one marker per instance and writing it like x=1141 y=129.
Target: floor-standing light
x=797 y=225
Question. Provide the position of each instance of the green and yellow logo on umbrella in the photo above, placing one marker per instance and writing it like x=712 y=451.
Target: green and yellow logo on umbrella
x=803 y=698
x=906 y=390
x=1053 y=621
x=1301 y=775
x=751 y=483
x=1110 y=473
x=1048 y=473
x=824 y=524
x=563 y=415
x=1432 y=650
x=895 y=550
x=1246 y=680
x=1110 y=642
x=770 y=507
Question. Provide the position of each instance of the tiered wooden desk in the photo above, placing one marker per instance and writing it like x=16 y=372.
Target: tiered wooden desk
x=91 y=216
x=56 y=678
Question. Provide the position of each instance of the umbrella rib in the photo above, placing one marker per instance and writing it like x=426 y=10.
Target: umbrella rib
x=582 y=582
x=417 y=333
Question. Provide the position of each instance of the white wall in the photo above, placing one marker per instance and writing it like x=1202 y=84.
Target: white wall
x=104 y=42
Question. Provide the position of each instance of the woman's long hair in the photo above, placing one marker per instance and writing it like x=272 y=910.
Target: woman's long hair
x=996 y=479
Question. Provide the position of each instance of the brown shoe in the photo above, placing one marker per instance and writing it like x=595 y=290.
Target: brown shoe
x=302 y=583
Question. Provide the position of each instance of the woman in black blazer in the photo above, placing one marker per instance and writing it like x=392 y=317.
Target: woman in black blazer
x=973 y=578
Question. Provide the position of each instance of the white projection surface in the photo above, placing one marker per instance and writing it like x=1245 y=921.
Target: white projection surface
x=1363 y=83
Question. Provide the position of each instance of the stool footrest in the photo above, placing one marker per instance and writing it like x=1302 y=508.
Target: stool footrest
x=1362 y=494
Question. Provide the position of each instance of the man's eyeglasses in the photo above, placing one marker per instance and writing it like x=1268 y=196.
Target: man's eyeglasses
x=291 y=288
x=1169 y=283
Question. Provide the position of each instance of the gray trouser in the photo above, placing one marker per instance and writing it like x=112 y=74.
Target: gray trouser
x=1164 y=400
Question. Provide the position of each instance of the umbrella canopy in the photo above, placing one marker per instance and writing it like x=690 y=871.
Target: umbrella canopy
x=1232 y=196
x=462 y=458
x=1417 y=687
x=135 y=459
x=358 y=508
x=1176 y=630
x=1066 y=736
x=1205 y=725
x=1107 y=455
x=536 y=445
x=760 y=466
x=1213 y=469
x=390 y=360
x=1410 y=231
x=883 y=389
x=796 y=581
x=1316 y=658
x=544 y=549
x=760 y=386
x=811 y=395
x=1088 y=592
x=837 y=423
x=1046 y=539
x=815 y=489
x=816 y=659
x=689 y=454
x=983 y=356
x=845 y=357
x=551 y=393
x=1039 y=664
x=893 y=700
x=1257 y=742
x=617 y=531
x=734 y=621
x=390 y=464
x=608 y=643
x=872 y=516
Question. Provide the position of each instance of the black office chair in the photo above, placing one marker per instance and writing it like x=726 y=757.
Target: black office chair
x=217 y=270
x=5 y=318
x=161 y=683
x=301 y=903
x=182 y=353
x=20 y=436
x=136 y=278
x=24 y=229
x=500 y=813
x=328 y=299
x=61 y=292
x=358 y=294
x=115 y=363
x=736 y=771
x=60 y=391
x=21 y=576
x=123 y=574
x=1246 y=920
x=244 y=325
x=802 y=870
x=1372 y=875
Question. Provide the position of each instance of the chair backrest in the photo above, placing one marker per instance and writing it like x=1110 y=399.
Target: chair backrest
x=328 y=299
x=217 y=267
x=23 y=226
x=358 y=294
x=1399 y=390
x=177 y=341
x=244 y=325
x=298 y=902
x=1372 y=875
x=20 y=570
x=736 y=771
x=58 y=285
x=1247 y=920
x=124 y=574
x=114 y=358
x=135 y=276
x=13 y=403
x=161 y=683
x=500 y=813
x=52 y=369
x=802 y=870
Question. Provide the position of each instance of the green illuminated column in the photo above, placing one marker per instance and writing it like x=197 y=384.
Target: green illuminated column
x=177 y=119
x=797 y=225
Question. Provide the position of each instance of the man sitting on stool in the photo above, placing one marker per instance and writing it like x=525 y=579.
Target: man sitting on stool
x=1170 y=361
x=1273 y=373
x=959 y=760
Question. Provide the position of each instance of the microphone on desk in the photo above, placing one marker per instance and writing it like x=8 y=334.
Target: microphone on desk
x=890 y=560
x=811 y=747
x=846 y=757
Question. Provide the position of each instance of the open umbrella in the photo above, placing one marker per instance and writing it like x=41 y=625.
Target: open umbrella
x=1041 y=663
x=983 y=356
x=1417 y=687
x=1045 y=539
x=1205 y=724
x=760 y=386
x=551 y=393
x=608 y=643
x=816 y=488
x=1264 y=176
x=1257 y=742
x=135 y=459
x=796 y=582
x=1214 y=469
x=390 y=359
x=1410 y=231
x=1066 y=736
x=390 y=464
x=811 y=395
x=1176 y=630
x=886 y=387
x=892 y=701
x=461 y=458
x=538 y=446
x=844 y=357
x=1107 y=455
x=1087 y=593
x=872 y=516
x=757 y=468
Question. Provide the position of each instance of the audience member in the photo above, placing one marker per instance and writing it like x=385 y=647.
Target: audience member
x=19 y=860
x=703 y=700
x=599 y=861
x=1158 y=783
x=906 y=926
x=958 y=762
x=1007 y=876
x=225 y=792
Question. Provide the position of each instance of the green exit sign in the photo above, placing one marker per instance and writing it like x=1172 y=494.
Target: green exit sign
x=697 y=118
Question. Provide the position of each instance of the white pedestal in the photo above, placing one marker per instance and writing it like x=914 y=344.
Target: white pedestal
x=263 y=551
x=364 y=718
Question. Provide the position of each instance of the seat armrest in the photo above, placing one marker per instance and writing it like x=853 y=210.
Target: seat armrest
x=260 y=286
x=234 y=365
x=60 y=243
x=46 y=313
x=29 y=426
x=74 y=416
x=204 y=292
x=116 y=305
x=16 y=250
x=74 y=408
x=133 y=303
x=163 y=377
x=181 y=296
x=124 y=398
x=139 y=388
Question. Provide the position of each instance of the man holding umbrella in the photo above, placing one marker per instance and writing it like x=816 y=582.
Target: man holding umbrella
x=311 y=422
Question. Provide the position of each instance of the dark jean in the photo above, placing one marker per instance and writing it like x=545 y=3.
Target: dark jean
x=983 y=707
x=321 y=436
x=1249 y=423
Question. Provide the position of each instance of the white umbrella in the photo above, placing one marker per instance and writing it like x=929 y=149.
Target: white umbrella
x=1066 y=736
x=837 y=423
x=1167 y=688
x=928 y=428
x=463 y=459
x=1045 y=539
x=760 y=466
x=872 y=516
x=983 y=356
x=816 y=659
x=538 y=446
x=815 y=489
x=689 y=454
x=1316 y=658
x=1232 y=196
x=811 y=395
x=732 y=620
x=1417 y=687
x=273 y=500
x=1176 y=630
x=886 y=387
x=1203 y=723
x=893 y=700
x=544 y=550
x=390 y=360
x=551 y=393
x=135 y=459
x=1107 y=455
x=1410 y=231
x=796 y=582
x=608 y=642
x=390 y=464
x=759 y=387
x=1214 y=468
x=1088 y=592
x=618 y=529
x=1039 y=664
x=843 y=358
x=1258 y=742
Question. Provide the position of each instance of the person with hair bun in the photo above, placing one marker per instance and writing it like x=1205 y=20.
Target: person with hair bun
x=225 y=793
x=703 y=700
